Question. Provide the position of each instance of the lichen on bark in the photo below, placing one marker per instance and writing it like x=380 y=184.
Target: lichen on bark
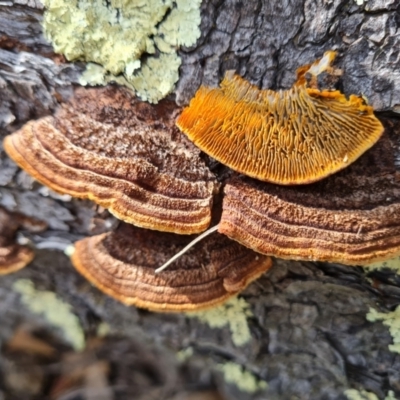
x=135 y=43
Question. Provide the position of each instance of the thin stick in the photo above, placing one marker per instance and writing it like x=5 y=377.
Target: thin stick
x=185 y=249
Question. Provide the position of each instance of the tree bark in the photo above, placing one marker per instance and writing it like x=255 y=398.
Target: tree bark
x=309 y=336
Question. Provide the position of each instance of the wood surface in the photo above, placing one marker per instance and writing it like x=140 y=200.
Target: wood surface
x=310 y=338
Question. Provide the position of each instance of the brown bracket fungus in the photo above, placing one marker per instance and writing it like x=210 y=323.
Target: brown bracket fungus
x=297 y=136
x=122 y=153
x=122 y=264
x=14 y=256
x=352 y=217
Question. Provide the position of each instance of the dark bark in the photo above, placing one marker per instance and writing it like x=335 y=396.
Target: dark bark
x=309 y=335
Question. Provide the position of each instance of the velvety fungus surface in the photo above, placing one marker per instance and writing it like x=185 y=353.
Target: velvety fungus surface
x=122 y=153
x=122 y=263
x=352 y=217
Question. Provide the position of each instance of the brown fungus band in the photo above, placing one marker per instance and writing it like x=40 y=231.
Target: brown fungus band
x=122 y=264
x=297 y=136
x=14 y=256
x=352 y=217
x=124 y=154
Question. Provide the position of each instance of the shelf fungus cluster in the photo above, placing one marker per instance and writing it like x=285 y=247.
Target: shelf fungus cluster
x=122 y=264
x=297 y=136
x=352 y=217
x=304 y=204
x=122 y=153
x=128 y=156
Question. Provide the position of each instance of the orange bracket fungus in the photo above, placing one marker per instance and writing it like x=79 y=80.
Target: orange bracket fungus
x=122 y=153
x=297 y=136
x=128 y=156
x=122 y=264
x=14 y=256
x=352 y=217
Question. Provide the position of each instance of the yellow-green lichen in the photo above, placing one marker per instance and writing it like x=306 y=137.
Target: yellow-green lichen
x=103 y=329
x=390 y=396
x=393 y=263
x=233 y=313
x=133 y=42
x=392 y=320
x=94 y=74
x=150 y=72
x=353 y=394
x=242 y=378
x=54 y=310
x=184 y=354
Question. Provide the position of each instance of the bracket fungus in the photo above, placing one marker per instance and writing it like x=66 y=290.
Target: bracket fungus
x=14 y=256
x=122 y=264
x=122 y=153
x=297 y=136
x=352 y=217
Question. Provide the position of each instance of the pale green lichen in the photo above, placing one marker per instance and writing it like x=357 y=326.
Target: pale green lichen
x=184 y=354
x=177 y=31
x=54 y=311
x=103 y=329
x=392 y=320
x=94 y=74
x=393 y=263
x=232 y=372
x=242 y=378
x=132 y=42
x=353 y=394
x=233 y=313
x=390 y=396
x=150 y=72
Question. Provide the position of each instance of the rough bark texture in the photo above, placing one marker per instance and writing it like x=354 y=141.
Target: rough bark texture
x=265 y=41
x=309 y=335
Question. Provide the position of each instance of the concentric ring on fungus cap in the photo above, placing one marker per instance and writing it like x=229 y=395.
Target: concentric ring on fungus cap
x=122 y=264
x=124 y=154
x=297 y=136
x=14 y=256
x=352 y=217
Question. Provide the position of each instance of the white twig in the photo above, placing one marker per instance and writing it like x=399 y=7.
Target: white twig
x=185 y=249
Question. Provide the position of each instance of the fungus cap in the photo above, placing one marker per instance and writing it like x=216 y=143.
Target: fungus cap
x=122 y=264
x=13 y=256
x=297 y=136
x=352 y=217
x=122 y=153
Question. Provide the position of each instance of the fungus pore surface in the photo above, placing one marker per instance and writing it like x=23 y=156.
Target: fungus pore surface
x=122 y=153
x=122 y=264
x=352 y=217
x=296 y=136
